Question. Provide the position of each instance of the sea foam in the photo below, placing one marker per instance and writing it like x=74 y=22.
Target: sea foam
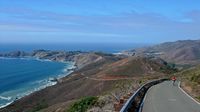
x=5 y=98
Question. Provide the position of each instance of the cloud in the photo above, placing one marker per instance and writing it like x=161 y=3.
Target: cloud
x=194 y=16
x=134 y=25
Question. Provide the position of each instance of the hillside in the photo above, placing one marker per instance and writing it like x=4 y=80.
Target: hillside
x=179 y=52
x=191 y=81
x=135 y=67
x=107 y=77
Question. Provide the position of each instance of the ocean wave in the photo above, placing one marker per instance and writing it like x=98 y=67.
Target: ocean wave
x=39 y=81
x=5 y=98
x=43 y=60
x=65 y=70
x=2 y=106
x=42 y=84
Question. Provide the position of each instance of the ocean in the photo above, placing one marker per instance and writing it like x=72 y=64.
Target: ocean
x=101 y=47
x=20 y=77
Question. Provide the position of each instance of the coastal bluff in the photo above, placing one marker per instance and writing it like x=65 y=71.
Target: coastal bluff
x=80 y=58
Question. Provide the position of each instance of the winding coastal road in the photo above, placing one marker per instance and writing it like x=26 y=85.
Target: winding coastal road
x=165 y=97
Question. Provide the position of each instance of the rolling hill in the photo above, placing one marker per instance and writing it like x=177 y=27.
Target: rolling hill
x=179 y=52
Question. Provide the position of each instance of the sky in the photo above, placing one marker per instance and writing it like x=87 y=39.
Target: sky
x=98 y=21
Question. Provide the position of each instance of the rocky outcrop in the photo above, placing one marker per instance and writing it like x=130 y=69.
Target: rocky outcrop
x=55 y=55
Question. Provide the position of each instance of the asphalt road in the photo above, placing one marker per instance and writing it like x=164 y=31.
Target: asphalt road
x=165 y=97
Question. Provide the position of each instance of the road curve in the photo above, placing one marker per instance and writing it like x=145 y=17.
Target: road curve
x=165 y=97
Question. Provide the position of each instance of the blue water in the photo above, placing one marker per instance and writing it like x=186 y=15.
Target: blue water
x=19 y=77
x=102 y=47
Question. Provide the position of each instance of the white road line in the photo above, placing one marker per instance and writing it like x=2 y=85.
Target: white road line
x=187 y=93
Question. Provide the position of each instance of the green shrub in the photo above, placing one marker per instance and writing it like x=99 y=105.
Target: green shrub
x=83 y=104
x=195 y=78
x=168 y=68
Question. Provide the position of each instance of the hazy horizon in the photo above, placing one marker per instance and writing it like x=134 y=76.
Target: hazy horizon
x=88 y=47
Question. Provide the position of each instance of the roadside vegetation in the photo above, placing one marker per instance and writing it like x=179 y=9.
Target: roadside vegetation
x=83 y=104
x=191 y=79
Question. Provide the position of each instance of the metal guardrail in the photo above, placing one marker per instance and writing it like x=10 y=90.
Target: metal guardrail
x=134 y=103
